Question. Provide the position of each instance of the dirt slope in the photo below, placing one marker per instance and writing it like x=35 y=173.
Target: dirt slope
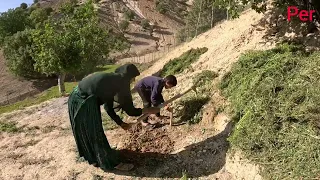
x=45 y=147
x=225 y=42
x=13 y=88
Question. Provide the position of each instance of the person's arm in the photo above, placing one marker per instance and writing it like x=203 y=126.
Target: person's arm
x=156 y=96
x=125 y=100
x=109 y=109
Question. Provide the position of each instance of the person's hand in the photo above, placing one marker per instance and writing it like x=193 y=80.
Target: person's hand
x=151 y=110
x=126 y=126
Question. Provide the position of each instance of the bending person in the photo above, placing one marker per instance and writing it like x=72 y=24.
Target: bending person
x=85 y=114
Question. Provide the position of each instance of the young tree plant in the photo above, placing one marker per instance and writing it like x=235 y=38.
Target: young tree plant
x=72 y=43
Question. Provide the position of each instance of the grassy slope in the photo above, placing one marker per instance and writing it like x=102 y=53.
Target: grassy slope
x=177 y=65
x=277 y=95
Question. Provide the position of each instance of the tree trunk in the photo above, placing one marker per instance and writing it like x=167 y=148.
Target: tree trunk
x=61 y=79
x=212 y=15
x=199 y=16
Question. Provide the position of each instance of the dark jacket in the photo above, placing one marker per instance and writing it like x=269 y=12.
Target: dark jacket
x=153 y=86
x=109 y=86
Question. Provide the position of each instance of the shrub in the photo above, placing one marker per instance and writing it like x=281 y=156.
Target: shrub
x=8 y=127
x=17 y=51
x=123 y=25
x=145 y=24
x=161 y=7
x=129 y=15
x=177 y=65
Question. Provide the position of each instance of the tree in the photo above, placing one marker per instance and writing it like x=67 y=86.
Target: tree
x=35 y=1
x=49 y=10
x=17 y=52
x=202 y=16
x=12 y=21
x=39 y=16
x=24 y=6
x=71 y=44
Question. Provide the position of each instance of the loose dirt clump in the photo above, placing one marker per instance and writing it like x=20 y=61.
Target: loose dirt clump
x=148 y=139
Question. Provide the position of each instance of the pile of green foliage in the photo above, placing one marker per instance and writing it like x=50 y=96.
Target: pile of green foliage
x=192 y=105
x=177 y=65
x=276 y=94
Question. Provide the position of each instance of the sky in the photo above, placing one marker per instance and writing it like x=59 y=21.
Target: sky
x=7 y=4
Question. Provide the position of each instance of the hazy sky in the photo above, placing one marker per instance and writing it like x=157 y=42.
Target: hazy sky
x=7 y=4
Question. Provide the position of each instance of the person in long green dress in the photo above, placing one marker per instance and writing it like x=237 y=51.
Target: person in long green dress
x=85 y=114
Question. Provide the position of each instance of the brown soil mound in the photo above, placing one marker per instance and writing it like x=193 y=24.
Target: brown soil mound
x=148 y=139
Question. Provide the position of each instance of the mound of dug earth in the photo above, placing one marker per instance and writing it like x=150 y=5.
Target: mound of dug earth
x=147 y=139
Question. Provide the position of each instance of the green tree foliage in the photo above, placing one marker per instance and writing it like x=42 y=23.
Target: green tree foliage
x=35 y=1
x=17 y=51
x=39 y=16
x=12 y=21
x=161 y=7
x=16 y=38
x=73 y=43
x=202 y=16
x=49 y=10
x=24 y=6
x=234 y=7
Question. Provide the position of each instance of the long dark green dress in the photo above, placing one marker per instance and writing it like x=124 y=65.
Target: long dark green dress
x=85 y=115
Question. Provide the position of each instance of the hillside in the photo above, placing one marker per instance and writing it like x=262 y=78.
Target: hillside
x=37 y=142
x=111 y=13
x=142 y=41
x=45 y=148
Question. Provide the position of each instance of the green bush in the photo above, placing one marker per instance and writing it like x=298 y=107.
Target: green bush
x=9 y=127
x=161 y=7
x=276 y=93
x=129 y=15
x=145 y=24
x=123 y=25
x=177 y=65
x=12 y=21
x=17 y=51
